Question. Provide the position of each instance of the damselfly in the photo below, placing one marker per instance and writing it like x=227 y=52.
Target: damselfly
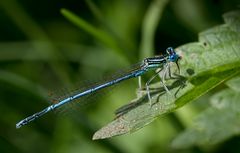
x=160 y=63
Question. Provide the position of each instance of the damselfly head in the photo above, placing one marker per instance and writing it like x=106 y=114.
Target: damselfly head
x=172 y=55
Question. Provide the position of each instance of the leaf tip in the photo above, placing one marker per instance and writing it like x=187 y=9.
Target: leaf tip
x=116 y=127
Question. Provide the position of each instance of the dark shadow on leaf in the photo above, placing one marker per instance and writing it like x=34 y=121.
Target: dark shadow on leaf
x=190 y=72
x=180 y=83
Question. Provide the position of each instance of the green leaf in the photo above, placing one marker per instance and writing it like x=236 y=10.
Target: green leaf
x=205 y=64
x=217 y=123
x=95 y=32
x=234 y=84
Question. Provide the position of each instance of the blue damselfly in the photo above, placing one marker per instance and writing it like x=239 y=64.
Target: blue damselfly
x=159 y=63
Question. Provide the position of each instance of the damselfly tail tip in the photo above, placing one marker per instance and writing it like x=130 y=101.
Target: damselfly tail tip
x=18 y=125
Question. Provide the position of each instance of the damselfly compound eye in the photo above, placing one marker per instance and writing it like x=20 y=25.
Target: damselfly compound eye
x=170 y=51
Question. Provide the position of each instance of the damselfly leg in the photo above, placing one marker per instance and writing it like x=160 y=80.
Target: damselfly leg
x=147 y=86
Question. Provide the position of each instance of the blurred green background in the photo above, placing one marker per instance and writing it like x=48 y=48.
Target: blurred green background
x=42 y=52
